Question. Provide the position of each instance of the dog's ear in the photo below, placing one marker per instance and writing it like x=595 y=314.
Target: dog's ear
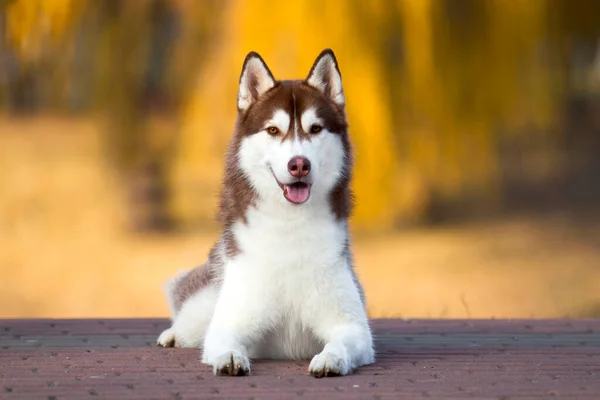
x=325 y=76
x=255 y=80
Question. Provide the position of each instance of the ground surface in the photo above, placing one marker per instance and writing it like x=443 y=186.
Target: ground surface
x=482 y=359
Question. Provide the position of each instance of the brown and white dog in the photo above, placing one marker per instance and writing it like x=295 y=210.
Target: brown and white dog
x=279 y=283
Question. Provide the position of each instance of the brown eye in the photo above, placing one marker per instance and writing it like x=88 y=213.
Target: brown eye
x=316 y=128
x=272 y=130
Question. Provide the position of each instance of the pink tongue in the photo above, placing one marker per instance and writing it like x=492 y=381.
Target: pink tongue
x=296 y=193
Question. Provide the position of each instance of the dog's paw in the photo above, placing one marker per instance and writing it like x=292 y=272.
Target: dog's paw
x=232 y=363
x=328 y=363
x=168 y=339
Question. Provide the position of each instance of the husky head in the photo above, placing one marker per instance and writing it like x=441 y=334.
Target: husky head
x=291 y=146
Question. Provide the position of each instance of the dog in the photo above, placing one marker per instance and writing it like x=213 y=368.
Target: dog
x=279 y=283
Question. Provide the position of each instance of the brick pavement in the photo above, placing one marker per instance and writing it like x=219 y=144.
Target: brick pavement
x=450 y=359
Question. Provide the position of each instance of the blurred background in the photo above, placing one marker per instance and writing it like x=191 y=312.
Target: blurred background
x=476 y=126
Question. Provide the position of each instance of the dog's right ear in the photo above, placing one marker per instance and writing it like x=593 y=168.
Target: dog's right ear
x=256 y=79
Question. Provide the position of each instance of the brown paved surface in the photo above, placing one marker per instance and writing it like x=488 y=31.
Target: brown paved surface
x=450 y=359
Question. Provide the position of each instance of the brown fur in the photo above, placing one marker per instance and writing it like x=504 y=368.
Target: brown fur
x=191 y=282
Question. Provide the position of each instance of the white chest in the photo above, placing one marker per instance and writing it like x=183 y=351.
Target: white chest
x=291 y=243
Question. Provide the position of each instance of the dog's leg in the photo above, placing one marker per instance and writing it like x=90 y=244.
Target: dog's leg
x=191 y=296
x=349 y=346
x=190 y=323
x=338 y=317
x=243 y=313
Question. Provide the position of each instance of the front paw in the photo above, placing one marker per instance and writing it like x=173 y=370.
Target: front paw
x=232 y=363
x=328 y=363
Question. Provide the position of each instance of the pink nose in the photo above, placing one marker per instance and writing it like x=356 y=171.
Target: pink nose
x=299 y=166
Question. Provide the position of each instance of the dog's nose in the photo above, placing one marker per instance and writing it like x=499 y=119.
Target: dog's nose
x=299 y=166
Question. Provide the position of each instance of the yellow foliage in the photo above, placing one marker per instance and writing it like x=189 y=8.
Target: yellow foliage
x=430 y=89
x=289 y=46
x=437 y=140
x=31 y=23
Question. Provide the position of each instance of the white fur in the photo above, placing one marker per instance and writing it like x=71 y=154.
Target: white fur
x=255 y=74
x=261 y=153
x=289 y=293
x=190 y=323
x=280 y=120
x=325 y=73
x=309 y=118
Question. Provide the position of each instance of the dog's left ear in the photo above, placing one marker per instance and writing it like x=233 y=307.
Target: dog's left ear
x=325 y=76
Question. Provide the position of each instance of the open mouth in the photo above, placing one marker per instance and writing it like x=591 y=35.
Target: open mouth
x=296 y=193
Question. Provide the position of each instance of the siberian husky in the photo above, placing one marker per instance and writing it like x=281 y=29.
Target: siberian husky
x=279 y=283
